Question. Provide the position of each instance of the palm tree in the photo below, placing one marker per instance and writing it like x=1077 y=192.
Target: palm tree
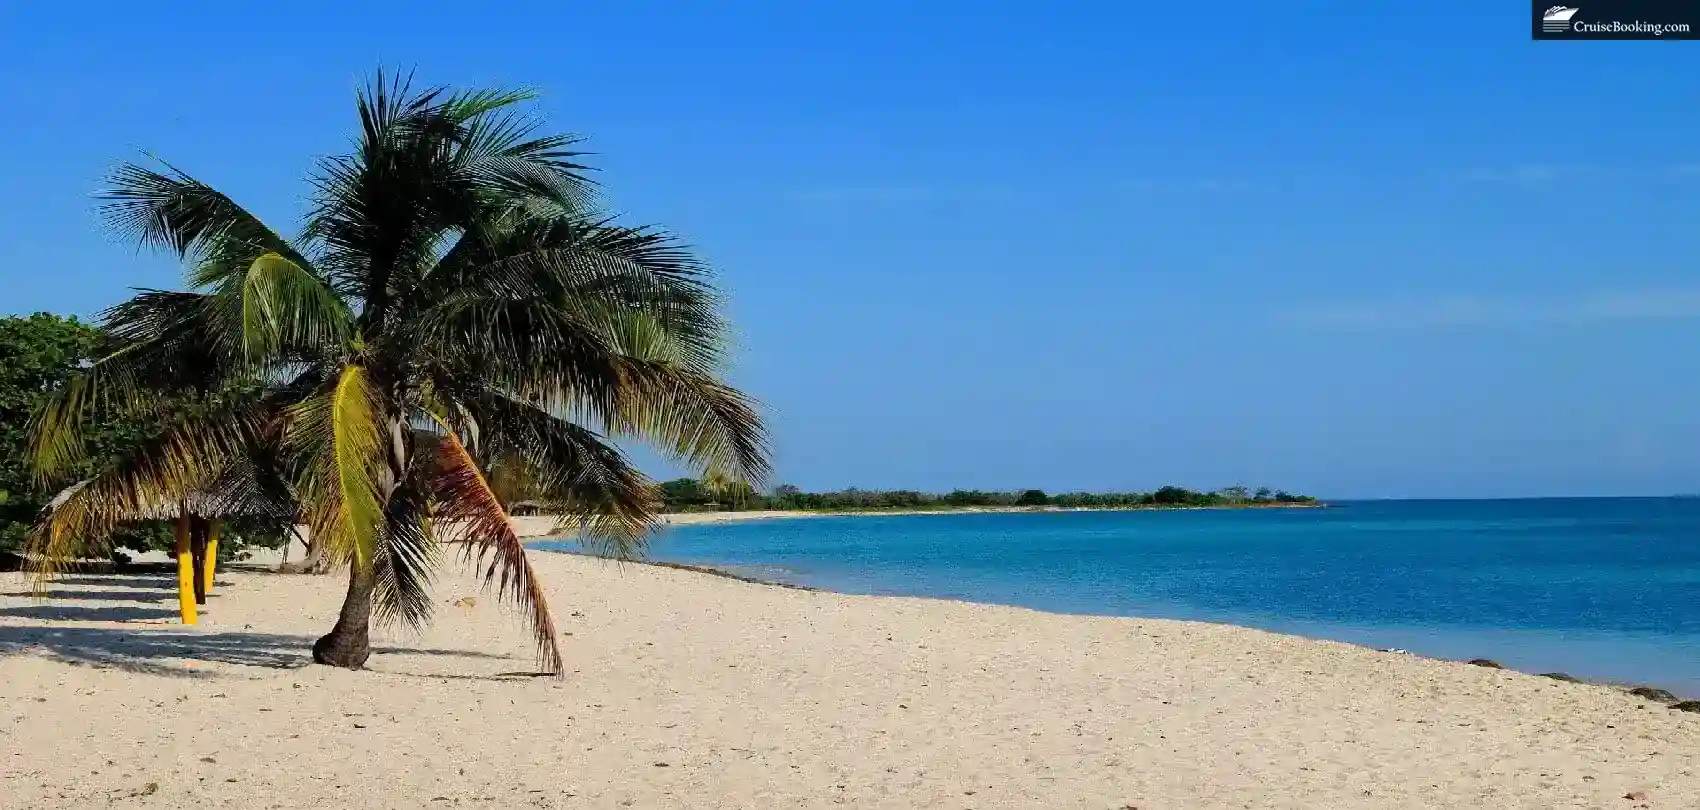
x=719 y=486
x=454 y=303
x=727 y=488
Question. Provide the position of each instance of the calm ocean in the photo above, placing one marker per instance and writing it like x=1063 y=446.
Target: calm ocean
x=1599 y=588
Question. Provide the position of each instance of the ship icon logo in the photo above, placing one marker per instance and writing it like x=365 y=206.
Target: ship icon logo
x=1556 y=20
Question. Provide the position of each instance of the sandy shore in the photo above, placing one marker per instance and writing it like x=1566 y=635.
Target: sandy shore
x=695 y=691
x=539 y=526
x=533 y=526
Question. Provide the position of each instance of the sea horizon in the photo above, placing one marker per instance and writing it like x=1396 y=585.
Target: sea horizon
x=1601 y=588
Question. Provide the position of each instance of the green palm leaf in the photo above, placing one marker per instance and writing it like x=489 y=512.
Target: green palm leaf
x=174 y=211
x=340 y=430
x=695 y=417
x=285 y=306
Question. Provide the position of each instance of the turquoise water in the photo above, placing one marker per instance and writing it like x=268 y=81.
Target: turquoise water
x=1600 y=588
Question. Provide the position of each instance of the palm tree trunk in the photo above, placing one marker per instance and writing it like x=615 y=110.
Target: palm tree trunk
x=185 y=569
x=198 y=559
x=210 y=567
x=349 y=643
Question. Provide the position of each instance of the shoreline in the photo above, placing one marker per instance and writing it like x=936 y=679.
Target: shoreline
x=987 y=510
x=1484 y=662
x=532 y=528
x=709 y=518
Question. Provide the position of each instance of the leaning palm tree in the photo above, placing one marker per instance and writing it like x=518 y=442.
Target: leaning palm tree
x=453 y=298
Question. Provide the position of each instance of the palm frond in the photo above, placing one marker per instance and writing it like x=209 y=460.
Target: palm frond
x=539 y=174
x=379 y=212
x=465 y=106
x=575 y=257
x=432 y=164
x=463 y=499
x=406 y=559
x=284 y=305
x=543 y=305
x=341 y=431
x=55 y=433
x=510 y=476
x=156 y=315
x=693 y=416
x=604 y=501
x=499 y=150
x=680 y=274
x=672 y=287
x=171 y=210
x=392 y=109
x=253 y=486
x=532 y=346
x=572 y=274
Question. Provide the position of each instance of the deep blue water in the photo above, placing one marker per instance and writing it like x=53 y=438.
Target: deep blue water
x=1601 y=588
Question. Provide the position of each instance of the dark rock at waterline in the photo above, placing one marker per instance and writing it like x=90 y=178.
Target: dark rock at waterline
x=1653 y=693
x=1559 y=676
x=1687 y=706
x=1485 y=662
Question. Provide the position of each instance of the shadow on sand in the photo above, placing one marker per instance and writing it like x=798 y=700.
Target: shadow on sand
x=155 y=651
x=153 y=643
x=126 y=594
x=80 y=613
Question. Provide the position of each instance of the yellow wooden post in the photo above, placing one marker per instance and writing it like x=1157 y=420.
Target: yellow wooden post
x=212 y=556
x=185 y=570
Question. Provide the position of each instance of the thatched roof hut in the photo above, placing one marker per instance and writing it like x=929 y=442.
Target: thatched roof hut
x=204 y=504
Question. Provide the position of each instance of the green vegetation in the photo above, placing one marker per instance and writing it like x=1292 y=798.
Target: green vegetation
x=39 y=353
x=458 y=328
x=689 y=494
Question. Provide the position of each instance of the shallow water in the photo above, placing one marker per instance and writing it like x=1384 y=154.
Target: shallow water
x=1599 y=588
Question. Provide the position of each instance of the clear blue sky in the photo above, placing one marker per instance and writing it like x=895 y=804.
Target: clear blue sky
x=1331 y=247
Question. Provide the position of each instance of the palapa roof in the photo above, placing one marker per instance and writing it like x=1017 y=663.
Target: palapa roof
x=200 y=504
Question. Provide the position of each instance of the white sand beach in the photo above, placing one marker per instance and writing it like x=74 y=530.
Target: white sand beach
x=688 y=690
x=541 y=526
x=532 y=526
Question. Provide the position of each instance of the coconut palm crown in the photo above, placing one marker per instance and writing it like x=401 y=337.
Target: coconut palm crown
x=454 y=306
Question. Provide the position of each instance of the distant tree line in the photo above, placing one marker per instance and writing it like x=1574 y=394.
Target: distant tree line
x=690 y=494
